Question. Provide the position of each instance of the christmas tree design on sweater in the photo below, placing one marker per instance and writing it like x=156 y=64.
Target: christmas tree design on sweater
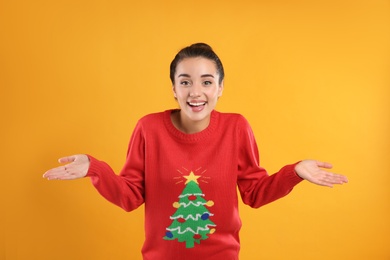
x=191 y=222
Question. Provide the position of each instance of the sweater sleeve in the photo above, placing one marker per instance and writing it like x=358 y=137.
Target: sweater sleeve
x=256 y=186
x=125 y=190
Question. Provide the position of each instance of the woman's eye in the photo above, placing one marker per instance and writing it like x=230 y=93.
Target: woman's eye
x=207 y=83
x=185 y=83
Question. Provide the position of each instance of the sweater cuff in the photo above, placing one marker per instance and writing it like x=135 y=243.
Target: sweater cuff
x=292 y=175
x=93 y=166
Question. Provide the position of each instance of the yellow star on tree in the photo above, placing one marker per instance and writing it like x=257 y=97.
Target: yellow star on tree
x=192 y=177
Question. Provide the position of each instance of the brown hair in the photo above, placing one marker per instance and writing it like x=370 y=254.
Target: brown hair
x=193 y=51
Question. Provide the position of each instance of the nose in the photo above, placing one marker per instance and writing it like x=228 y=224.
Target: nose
x=196 y=90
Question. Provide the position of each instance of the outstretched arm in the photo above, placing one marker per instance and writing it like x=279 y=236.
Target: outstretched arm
x=314 y=172
x=76 y=166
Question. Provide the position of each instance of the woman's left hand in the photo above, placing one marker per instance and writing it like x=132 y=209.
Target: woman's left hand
x=312 y=171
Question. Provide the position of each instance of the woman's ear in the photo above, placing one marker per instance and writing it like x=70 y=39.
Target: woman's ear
x=174 y=91
x=220 y=89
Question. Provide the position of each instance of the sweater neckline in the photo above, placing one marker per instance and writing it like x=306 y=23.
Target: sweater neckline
x=176 y=133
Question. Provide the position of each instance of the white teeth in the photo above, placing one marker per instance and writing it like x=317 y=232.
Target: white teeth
x=196 y=104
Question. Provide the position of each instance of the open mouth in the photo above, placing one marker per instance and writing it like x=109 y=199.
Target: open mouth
x=196 y=104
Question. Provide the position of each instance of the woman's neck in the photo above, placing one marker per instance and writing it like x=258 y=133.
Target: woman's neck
x=188 y=126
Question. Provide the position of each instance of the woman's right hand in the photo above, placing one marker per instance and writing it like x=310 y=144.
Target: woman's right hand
x=76 y=166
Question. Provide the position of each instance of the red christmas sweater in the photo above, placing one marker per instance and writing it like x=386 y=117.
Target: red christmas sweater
x=189 y=182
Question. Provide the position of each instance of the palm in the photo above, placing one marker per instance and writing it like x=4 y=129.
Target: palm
x=76 y=167
x=314 y=172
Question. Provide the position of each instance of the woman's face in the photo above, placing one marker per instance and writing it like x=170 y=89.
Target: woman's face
x=197 y=89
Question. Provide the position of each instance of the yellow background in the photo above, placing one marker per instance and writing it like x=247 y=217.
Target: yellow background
x=312 y=77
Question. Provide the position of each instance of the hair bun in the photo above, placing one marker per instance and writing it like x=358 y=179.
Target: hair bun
x=201 y=45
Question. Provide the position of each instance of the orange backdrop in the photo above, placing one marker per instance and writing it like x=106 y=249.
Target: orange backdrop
x=312 y=77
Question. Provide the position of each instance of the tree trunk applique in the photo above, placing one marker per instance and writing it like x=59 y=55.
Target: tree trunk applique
x=191 y=222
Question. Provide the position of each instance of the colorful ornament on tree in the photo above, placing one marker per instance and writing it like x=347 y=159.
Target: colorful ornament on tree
x=169 y=234
x=192 y=197
x=191 y=222
x=197 y=236
x=205 y=216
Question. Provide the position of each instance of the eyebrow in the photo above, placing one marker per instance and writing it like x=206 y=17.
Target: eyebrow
x=202 y=76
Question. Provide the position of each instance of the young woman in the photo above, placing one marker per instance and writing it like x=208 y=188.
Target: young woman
x=185 y=165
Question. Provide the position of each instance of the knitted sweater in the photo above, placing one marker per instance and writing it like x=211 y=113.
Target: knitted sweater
x=189 y=182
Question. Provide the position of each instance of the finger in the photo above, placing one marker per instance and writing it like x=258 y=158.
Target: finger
x=338 y=179
x=65 y=176
x=327 y=184
x=58 y=173
x=335 y=176
x=53 y=176
x=325 y=181
x=68 y=177
x=324 y=165
x=61 y=175
x=67 y=159
x=332 y=179
x=322 y=182
x=55 y=171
